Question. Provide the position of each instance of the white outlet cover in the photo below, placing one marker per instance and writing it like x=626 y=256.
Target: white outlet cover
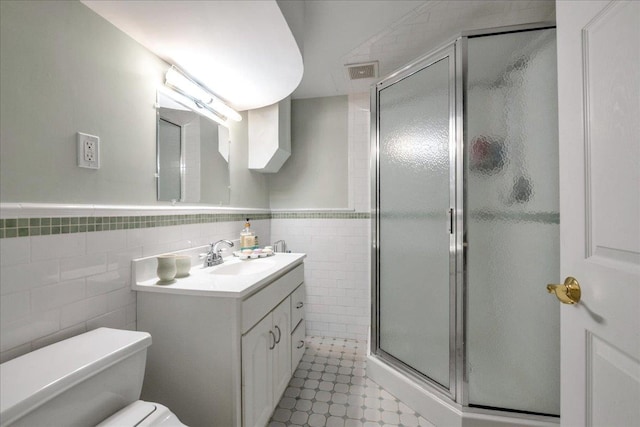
x=88 y=159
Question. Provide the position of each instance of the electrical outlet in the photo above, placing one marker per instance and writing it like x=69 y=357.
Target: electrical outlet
x=88 y=151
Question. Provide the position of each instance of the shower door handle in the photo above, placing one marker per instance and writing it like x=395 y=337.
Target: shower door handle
x=450 y=221
x=568 y=293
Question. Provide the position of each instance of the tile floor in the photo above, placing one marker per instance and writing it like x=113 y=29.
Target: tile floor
x=330 y=388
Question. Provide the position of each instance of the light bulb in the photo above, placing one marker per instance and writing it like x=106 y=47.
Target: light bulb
x=178 y=80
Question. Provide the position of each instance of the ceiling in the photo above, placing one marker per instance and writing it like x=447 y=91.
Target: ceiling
x=253 y=58
x=393 y=33
x=328 y=30
x=242 y=50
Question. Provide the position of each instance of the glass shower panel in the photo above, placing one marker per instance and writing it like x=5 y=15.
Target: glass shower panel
x=413 y=212
x=511 y=158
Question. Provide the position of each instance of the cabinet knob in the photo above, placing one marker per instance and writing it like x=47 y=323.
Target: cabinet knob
x=300 y=344
x=300 y=304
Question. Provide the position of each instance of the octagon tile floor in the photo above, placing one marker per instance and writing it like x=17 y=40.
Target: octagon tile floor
x=330 y=388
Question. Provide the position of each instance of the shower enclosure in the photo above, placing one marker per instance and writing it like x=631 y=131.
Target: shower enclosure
x=466 y=224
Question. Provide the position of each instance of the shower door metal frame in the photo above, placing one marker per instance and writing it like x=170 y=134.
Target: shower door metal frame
x=448 y=51
x=458 y=379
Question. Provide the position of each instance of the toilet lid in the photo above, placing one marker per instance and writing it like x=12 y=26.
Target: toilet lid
x=143 y=414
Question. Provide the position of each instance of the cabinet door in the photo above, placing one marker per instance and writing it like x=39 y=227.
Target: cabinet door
x=297 y=345
x=282 y=350
x=297 y=306
x=258 y=347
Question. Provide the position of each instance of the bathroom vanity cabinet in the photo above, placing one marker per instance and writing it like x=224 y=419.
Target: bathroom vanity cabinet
x=270 y=355
x=224 y=358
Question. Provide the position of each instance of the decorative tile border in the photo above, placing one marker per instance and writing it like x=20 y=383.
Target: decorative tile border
x=320 y=215
x=25 y=227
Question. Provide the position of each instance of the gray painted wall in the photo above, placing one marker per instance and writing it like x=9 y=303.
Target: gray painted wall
x=316 y=175
x=248 y=188
x=64 y=69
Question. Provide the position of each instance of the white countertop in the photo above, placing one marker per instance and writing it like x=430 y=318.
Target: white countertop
x=206 y=282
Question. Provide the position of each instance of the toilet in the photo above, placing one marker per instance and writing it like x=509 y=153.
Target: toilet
x=91 y=379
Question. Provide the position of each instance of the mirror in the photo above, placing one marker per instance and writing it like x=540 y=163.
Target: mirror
x=192 y=155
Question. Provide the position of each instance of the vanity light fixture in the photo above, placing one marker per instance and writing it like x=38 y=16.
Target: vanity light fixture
x=194 y=106
x=180 y=82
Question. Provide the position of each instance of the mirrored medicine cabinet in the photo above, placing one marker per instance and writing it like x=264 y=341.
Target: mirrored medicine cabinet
x=192 y=155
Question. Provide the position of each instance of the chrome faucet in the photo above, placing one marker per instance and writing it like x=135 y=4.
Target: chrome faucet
x=280 y=246
x=214 y=256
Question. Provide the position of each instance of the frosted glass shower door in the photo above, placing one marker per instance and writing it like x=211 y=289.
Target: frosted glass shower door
x=511 y=144
x=413 y=211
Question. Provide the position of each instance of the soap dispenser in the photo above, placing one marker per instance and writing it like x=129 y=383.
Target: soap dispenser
x=247 y=237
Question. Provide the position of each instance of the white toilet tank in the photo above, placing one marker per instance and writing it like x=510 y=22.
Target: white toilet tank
x=76 y=382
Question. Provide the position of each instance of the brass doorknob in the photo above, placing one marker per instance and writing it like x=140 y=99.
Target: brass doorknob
x=568 y=293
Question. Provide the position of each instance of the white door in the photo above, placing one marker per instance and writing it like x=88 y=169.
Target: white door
x=599 y=108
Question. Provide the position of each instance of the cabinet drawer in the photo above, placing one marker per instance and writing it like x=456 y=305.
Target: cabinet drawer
x=297 y=345
x=297 y=305
x=261 y=303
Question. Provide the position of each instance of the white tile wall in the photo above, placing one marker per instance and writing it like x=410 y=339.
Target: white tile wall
x=337 y=271
x=55 y=287
x=337 y=268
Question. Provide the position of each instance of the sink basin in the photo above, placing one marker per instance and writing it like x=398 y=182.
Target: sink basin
x=234 y=278
x=244 y=268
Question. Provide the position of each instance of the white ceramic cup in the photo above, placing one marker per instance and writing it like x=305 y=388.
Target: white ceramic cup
x=183 y=265
x=166 y=268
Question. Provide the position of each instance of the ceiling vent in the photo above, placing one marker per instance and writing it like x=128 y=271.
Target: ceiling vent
x=367 y=70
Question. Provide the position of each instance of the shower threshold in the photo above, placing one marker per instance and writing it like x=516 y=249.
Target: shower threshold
x=441 y=411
